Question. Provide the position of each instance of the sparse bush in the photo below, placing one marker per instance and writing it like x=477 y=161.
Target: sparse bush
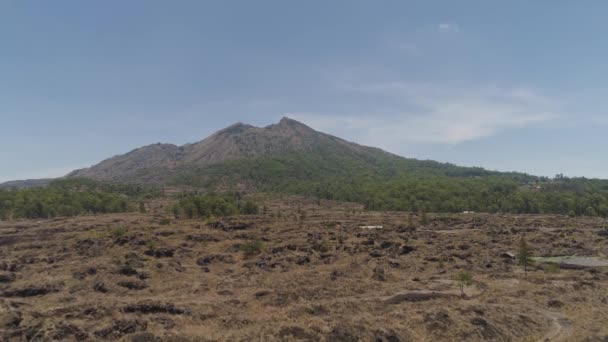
x=164 y=221
x=424 y=220
x=464 y=279
x=118 y=232
x=590 y=211
x=249 y=208
x=551 y=268
x=193 y=205
x=252 y=248
x=523 y=254
x=325 y=246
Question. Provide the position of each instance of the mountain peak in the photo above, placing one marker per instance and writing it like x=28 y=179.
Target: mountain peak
x=285 y=121
x=236 y=128
x=290 y=126
x=160 y=163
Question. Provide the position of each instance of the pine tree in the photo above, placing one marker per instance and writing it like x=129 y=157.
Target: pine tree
x=523 y=254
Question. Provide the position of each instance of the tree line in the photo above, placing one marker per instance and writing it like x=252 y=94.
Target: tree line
x=71 y=197
x=407 y=185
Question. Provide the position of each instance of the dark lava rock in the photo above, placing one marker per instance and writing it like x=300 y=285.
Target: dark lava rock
x=155 y=308
x=336 y=274
x=415 y=297
x=202 y=238
x=30 y=291
x=9 y=267
x=7 y=278
x=464 y=247
x=301 y=260
x=230 y=226
x=160 y=252
x=143 y=275
x=376 y=253
x=403 y=250
x=386 y=336
x=133 y=285
x=262 y=293
x=209 y=259
x=404 y=229
x=64 y=330
x=387 y=244
x=394 y=264
x=127 y=270
x=368 y=242
x=554 y=303
x=121 y=327
x=100 y=287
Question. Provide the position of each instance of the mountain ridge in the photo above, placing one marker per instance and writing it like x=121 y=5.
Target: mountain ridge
x=156 y=162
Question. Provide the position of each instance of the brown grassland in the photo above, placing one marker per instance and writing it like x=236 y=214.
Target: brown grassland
x=300 y=271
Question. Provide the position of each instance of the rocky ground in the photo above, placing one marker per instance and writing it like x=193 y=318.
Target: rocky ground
x=300 y=271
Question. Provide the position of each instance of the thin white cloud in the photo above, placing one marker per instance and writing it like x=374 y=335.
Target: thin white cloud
x=447 y=27
x=431 y=113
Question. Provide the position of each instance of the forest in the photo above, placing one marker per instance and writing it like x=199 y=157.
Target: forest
x=407 y=185
x=378 y=183
x=71 y=197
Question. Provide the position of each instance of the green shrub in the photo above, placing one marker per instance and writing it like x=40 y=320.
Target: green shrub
x=252 y=248
x=551 y=268
x=464 y=279
x=118 y=232
x=325 y=246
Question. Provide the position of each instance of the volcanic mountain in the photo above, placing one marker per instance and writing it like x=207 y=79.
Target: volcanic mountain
x=162 y=163
x=290 y=157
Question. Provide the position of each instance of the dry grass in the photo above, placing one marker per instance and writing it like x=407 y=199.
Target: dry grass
x=279 y=278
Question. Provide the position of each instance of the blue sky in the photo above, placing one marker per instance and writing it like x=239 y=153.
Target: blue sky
x=507 y=85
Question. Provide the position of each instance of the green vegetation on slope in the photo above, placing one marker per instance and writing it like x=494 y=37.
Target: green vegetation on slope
x=390 y=183
x=208 y=205
x=70 y=197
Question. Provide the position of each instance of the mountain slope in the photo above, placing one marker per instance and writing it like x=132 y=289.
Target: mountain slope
x=290 y=157
x=160 y=162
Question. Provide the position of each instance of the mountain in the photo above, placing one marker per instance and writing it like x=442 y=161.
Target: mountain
x=25 y=184
x=160 y=163
x=290 y=157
